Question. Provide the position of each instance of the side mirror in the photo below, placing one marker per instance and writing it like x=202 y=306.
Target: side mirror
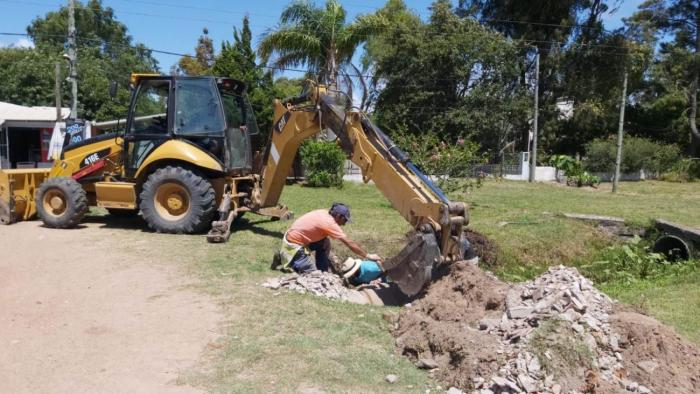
x=112 y=89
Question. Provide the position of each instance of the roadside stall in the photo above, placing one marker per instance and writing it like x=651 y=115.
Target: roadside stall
x=25 y=135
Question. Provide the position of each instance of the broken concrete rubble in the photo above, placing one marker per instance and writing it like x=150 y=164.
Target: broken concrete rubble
x=475 y=333
x=323 y=284
x=563 y=295
x=553 y=334
x=328 y=285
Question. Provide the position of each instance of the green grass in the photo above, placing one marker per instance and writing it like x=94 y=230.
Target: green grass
x=540 y=238
x=279 y=341
x=527 y=249
x=674 y=300
x=276 y=341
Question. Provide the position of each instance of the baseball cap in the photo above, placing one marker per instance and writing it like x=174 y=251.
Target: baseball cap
x=341 y=209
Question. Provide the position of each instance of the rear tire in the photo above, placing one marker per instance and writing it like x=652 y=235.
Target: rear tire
x=61 y=202
x=177 y=200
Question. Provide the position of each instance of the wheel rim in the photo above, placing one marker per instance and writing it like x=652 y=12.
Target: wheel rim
x=172 y=201
x=54 y=202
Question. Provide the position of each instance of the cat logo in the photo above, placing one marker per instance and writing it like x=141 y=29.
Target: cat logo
x=279 y=126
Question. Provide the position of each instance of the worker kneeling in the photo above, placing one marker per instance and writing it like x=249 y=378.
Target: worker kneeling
x=311 y=233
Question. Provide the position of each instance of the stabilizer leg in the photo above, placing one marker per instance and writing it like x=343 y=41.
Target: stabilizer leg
x=221 y=229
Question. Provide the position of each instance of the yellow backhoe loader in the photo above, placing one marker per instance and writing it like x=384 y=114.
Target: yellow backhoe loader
x=185 y=162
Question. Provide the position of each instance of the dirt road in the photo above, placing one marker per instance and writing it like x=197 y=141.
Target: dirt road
x=84 y=311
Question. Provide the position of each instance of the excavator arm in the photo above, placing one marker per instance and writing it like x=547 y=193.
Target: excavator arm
x=438 y=223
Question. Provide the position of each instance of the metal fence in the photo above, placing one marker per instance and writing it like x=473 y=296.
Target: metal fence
x=498 y=169
x=510 y=164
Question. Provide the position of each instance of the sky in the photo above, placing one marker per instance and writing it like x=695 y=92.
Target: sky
x=176 y=25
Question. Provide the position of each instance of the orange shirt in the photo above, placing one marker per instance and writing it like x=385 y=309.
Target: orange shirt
x=314 y=226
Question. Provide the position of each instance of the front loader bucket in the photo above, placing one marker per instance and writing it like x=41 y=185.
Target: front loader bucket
x=412 y=268
x=17 y=188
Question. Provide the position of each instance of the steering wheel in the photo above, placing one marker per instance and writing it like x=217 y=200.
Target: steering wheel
x=161 y=122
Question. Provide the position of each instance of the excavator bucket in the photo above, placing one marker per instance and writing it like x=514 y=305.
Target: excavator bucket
x=17 y=188
x=412 y=268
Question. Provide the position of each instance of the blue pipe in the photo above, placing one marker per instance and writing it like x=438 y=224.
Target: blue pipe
x=427 y=182
x=402 y=157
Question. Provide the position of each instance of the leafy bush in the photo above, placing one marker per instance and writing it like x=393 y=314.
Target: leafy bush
x=637 y=154
x=323 y=162
x=633 y=262
x=685 y=170
x=573 y=170
x=583 y=179
x=565 y=163
x=450 y=163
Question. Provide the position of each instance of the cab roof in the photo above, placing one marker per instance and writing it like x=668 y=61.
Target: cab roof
x=228 y=84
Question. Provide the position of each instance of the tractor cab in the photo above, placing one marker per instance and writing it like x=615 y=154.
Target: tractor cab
x=211 y=113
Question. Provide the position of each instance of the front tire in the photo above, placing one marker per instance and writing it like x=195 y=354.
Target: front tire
x=61 y=202
x=177 y=200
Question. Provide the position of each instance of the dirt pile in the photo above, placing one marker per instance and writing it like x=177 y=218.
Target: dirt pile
x=655 y=355
x=484 y=248
x=555 y=334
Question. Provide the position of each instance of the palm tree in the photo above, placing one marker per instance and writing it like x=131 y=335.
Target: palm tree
x=319 y=38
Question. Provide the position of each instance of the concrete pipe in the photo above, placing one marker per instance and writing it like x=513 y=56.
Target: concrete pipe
x=675 y=248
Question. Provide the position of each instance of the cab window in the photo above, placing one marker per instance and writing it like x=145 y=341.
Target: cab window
x=237 y=137
x=151 y=108
x=197 y=108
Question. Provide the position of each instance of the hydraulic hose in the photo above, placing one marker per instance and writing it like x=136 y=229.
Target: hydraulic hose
x=403 y=158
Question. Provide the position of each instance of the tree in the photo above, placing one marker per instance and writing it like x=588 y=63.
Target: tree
x=237 y=60
x=453 y=78
x=318 y=38
x=203 y=60
x=576 y=64
x=105 y=51
x=26 y=79
x=399 y=19
x=680 y=58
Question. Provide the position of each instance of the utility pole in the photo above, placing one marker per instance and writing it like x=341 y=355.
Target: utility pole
x=73 y=59
x=533 y=150
x=57 y=91
x=620 y=132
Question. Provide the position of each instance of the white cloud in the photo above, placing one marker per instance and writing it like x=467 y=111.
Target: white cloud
x=20 y=43
x=23 y=43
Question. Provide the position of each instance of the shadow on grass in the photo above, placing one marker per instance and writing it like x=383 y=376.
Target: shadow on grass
x=244 y=224
x=137 y=223
x=116 y=222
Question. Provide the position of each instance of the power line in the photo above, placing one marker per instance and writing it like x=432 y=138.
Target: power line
x=143 y=48
x=190 y=7
x=273 y=68
x=391 y=29
x=125 y=12
x=219 y=10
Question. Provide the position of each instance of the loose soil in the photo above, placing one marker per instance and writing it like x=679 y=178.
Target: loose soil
x=85 y=310
x=656 y=355
x=484 y=248
x=443 y=326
